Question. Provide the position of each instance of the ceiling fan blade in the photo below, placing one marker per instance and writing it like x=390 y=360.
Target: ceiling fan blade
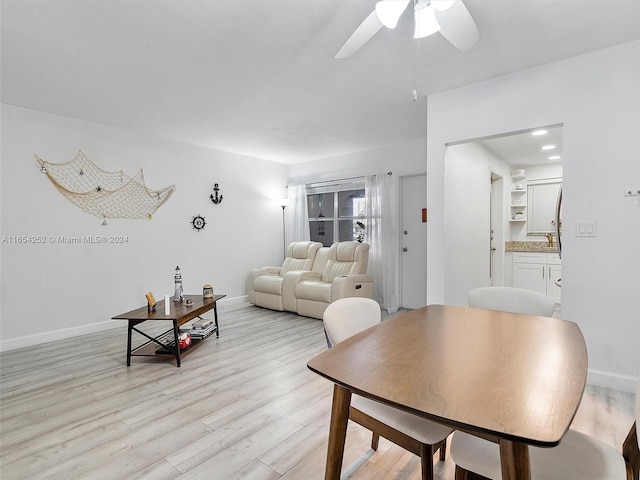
x=457 y=26
x=362 y=35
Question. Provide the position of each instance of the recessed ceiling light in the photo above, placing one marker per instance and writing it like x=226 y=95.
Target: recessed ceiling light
x=554 y=157
x=537 y=133
x=548 y=147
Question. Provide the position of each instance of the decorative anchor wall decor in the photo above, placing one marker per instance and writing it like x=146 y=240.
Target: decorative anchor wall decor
x=216 y=199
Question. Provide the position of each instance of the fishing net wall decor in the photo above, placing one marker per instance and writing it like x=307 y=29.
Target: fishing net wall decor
x=101 y=193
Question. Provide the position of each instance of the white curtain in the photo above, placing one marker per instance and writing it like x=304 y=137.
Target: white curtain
x=297 y=228
x=381 y=234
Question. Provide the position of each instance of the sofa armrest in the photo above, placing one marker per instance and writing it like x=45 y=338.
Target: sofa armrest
x=257 y=272
x=291 y=279
x=357 y=285
x=266 y=271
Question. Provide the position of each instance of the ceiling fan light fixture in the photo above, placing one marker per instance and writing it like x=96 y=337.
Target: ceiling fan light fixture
x=389 y=11
x=442 y=5
x=425 y=20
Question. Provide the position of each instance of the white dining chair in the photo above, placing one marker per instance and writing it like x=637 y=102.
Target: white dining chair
x=578 y=456
x=511 y=299
x=347 y=317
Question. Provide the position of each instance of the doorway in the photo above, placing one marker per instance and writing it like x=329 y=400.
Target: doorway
x=413 y=241
x=496 y=231
x=471 y=202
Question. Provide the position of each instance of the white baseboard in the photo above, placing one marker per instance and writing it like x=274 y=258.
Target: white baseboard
x=227 y=302
x=52 y=336
x=615 y=381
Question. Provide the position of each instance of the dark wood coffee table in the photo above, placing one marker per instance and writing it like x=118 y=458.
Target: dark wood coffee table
x=180 y=314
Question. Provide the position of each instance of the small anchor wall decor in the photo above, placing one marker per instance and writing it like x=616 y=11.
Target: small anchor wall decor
x=216 y=199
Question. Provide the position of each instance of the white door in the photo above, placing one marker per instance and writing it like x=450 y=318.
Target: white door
x=413 y=242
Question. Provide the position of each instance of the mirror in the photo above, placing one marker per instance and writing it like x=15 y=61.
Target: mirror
x=542 y=196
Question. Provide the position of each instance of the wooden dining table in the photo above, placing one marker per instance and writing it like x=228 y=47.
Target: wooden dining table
x=511 y=378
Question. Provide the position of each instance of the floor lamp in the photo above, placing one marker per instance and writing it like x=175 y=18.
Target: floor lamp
x=283 y=203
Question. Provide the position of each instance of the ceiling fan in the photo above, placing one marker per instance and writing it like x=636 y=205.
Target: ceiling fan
x=450 y=17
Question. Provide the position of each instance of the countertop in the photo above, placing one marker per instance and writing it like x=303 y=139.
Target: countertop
x=540 y=247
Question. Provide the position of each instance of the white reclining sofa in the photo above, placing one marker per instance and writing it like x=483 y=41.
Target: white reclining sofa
x=337 y=271
x=265 y=283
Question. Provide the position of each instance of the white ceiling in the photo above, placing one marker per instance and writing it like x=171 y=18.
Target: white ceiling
x=523 y=149
x=260 y=78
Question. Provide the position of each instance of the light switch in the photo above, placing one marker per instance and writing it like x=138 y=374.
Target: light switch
x=586 y=228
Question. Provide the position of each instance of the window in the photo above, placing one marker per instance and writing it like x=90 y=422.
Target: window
x=336 y=213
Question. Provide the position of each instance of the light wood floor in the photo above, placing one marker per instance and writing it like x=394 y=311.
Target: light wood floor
x=243 y=406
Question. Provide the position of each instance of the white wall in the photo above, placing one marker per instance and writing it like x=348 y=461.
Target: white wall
x=543 y=172
x=596 y=97
x=467 y=221
x=402 y=159
x=56 y=290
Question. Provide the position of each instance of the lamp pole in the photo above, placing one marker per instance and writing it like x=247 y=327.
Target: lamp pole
x=283 y=203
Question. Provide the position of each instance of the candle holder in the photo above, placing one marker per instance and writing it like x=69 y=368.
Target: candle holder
x=151 y=302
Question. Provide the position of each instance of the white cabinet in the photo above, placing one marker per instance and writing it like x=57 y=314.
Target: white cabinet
x=529 y=276
x=553 y=282
x=540 y=272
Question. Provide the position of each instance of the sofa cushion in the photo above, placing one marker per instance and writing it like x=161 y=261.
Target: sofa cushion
x=322 y=257
x=268 y=284
x=300 y=256
x=316 y=290
x=345 y=258
x=335 y=269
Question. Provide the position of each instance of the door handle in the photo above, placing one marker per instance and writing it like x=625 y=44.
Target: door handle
x=405 y=249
